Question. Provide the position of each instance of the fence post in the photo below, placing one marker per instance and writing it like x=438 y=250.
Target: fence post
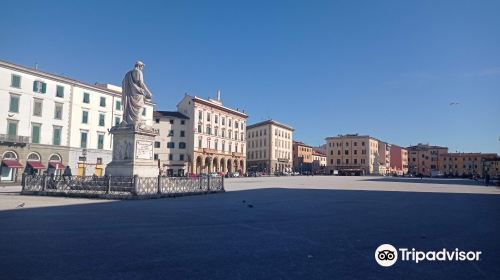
x=136 y=185
x=208 y=183
x=200 y=179
x=159 y=184
x=223 y=184
x=23 y=181
x=108 y=181
x=44 y=182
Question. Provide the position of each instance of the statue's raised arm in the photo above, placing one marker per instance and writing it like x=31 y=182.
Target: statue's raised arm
x=134 y=91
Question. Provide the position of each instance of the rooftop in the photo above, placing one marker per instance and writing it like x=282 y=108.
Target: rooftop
x=271 y=121
x=172 y=114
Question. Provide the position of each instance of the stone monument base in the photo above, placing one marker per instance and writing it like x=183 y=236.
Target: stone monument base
x=133 y=151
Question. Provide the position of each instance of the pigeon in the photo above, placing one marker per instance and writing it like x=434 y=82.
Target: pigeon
x=454 y=103
x=21 y=205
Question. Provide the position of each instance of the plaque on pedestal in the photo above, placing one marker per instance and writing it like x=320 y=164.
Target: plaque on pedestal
x=133 y=151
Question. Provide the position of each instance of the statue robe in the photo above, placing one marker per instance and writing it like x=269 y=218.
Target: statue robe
x=133 y=93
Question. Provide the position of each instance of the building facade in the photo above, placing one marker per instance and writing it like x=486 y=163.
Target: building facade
x=54 y=121
x=269 y=147
x=425 y=159
x=170 y=149
x=319 y=162
x=353 y=154
x=216 y=136
x=302 y=157
x=468 y=164
x=399 y=160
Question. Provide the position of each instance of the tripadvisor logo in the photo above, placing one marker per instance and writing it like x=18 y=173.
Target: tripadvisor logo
x=386 y=255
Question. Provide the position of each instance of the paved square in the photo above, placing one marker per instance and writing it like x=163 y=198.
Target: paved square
x=262 y=228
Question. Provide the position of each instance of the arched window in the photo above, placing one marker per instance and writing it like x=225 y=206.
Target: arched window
x=34 y=157
x=55 y=157
x=9 y=155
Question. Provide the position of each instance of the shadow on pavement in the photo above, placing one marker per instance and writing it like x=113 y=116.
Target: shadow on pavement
x=270 y=233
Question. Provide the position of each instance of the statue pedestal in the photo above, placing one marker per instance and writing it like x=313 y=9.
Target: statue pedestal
x=133 y=151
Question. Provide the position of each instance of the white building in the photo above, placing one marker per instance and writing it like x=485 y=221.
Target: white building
x=269 y=147
x=52 y=121
x=216 y=135
x=171 y=144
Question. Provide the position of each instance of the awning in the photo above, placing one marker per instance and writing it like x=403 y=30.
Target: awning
x=12 y=163
x=56 y=164
x=36 y=164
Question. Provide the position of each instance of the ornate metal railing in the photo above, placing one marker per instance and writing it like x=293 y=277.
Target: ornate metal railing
x=120 y=187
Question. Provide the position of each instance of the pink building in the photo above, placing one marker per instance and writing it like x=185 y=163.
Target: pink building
x=399 y=160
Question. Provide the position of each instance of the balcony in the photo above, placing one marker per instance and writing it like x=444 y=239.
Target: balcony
x=209 y=151
x=235 y=154
x=283 y=160
x=14 y=140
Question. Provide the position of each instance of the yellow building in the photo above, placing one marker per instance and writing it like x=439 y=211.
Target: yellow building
x=302 y=157
x=469 y=164
x=425 y=159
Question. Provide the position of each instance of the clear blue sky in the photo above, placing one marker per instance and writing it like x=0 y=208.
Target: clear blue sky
x=385 y=68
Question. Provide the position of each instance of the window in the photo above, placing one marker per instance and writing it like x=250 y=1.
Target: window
x=85 y=117
x=170 y=145
x=99 y=160
x=209 y=130
x=157 y=144
x=216 y=119
x=183 y=133
x=58 y=111
x=355 y=161
x=37 y=107
x=171 y=121
x=118 y=105
x=181 y=157
x=35 y=133
x=39 y=86
x=223 y=121
x=56 y=135
x=208 y=117
x=182 y=145
x=60 y=91
x=14 y=103
x=157 y=120
x=144 y=112
x=83 y=139
x=102 y=101
x=355 y=151
x=170 y=157
x=86 y=97
x=100 y=141
x=102 y=118
x=12 y=128
x=199 y=128
x=200 y=115
x=155 y=156
x=171 y=132
x=346 y=161
x=199 y=143
x=183 y=122
x=117 y=120
x=338 y=161
x=15 y=81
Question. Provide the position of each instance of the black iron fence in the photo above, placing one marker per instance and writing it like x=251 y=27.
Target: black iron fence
x=120 y=187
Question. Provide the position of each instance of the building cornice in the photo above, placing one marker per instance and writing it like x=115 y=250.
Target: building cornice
x=271 y=122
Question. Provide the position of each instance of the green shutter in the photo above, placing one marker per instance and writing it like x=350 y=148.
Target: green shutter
x=44 y=87
x=12 y=129
x=35 y=86
x=14 y=104
x=35 y=134
x=57 y=136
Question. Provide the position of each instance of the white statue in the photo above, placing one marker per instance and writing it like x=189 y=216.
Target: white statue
x=134 y=91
